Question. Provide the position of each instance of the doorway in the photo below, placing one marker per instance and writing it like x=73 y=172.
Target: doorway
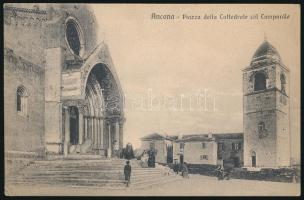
x=181 y=159
x=74 y=125
x=253 y=159
x=236 y=162
x=169 y=154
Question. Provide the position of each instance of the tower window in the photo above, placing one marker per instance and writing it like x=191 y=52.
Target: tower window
x=220 y=146
x=236 y=146
x=259 y=81
x=261 y=126
x=204 y=145
x=262 y=130
x=283 y=82
x=22 y=104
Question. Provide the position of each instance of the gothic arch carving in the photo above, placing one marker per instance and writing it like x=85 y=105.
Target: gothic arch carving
x=100 y=64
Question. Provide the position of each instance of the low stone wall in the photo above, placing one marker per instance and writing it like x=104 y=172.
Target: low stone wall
x=203 y=169
x=277 y=175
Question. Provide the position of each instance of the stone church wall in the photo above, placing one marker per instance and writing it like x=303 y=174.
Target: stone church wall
x=24 y=33
x=23 y=133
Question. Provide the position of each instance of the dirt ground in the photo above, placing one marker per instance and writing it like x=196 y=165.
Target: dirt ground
x=196 y=185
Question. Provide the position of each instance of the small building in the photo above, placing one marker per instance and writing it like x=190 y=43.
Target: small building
x=230 y=149
x=211 y=149
x=162 y=144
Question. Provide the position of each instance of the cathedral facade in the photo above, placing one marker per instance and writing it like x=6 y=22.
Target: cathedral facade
x=62 y=94
x=266 y=110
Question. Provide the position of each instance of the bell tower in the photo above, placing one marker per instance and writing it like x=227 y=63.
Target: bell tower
x=266 y=110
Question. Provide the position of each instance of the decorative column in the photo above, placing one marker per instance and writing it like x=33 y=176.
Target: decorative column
x=67 y=131
x=93 y=131
x=85 y=121
x=101 y=133
x=109 y=142
x=80 y=117
x=121 y=135
x=96 y=132
x=117 y=131
x=89 y=127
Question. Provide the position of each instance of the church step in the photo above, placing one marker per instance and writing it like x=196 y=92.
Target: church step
x=87 y=172
x=81 y=171
x=90 y=175
x=55 y=179
x=108 y=185
x=71 y=183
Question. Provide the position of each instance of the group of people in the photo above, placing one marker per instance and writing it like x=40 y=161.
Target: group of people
x=223 y=173
x=126 y=152
x=183 y=168
x=148 y=158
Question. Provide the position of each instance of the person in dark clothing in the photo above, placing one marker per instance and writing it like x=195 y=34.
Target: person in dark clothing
x=128 y=152
x=151 y=160
x=220 y=172
x=127 y=172
x=176 y=167
x=185 y=171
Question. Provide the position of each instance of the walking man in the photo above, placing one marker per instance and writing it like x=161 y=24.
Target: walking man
x=127 y=172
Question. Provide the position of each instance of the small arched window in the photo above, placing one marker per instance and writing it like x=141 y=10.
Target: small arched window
x=253 y=159
x=283 y=82
x=22 y=101
x=259 y=81
x=261 y=127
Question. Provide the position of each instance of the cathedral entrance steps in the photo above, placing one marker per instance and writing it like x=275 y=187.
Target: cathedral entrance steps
x=72 y=182
x=87 y=172
x=76 y=157
x=105 y=173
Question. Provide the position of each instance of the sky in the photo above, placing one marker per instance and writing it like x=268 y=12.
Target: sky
x=163 y=65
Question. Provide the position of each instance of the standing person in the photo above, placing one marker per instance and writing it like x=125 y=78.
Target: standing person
x=220 y=172
x=129 y=154
x=185 y=172
x=127 y=172
x=151 y=160
x=176 y=167
x=144 y=159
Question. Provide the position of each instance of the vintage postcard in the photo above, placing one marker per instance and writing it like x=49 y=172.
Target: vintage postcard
x=152 y=99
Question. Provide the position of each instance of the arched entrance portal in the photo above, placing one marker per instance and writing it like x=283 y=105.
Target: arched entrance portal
x=95 y=121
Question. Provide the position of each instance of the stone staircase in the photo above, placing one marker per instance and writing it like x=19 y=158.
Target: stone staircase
x=84 y=171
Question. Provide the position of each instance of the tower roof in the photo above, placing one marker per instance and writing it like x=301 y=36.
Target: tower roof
x=266 y=50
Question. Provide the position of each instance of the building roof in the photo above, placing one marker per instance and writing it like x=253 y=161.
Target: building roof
x=229 y=136
x=266 y=50
x=196 y=138
x=158 y=136
x=215 y=136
